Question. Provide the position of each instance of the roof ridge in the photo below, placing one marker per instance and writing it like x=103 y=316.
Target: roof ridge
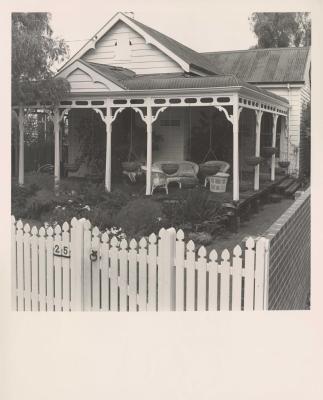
x=266 y=48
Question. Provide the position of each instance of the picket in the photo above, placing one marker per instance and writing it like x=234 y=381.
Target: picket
x=104 y=262
x=95 y=265
x=14 y=303
x=27 y=268
x=114 y=276
x=190 y=276
x=123 y=286
x=212 y=268
x=34 y=269
x=201 y=279
x=58 y=268
x=66 y=267
x=133 y=275
x=180 y=259
x=42 y=269
x=20 y=266
x=152 y=273
x=225 y=281
x=50 y=269
x=142 y=298
x=236 y=278
x=249 y=274
x=87 y=283
x=161 y=272
x=79 y=268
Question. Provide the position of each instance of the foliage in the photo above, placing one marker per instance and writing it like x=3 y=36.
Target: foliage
x=34 y=53
x=197 y=211
x=19 y=197
x=306 y=117
x=41 y=202
x=66 y=212
x=200 y=238
x=140 y=217
x=291 y=29
x=129 y=140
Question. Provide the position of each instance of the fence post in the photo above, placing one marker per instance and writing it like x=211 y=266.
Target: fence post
x=13 y=264
x=77 y=268
x=261 y=274
x=166 y=270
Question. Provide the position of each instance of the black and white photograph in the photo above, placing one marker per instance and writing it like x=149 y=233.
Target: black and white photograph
x=160 y=199
x=149 y=176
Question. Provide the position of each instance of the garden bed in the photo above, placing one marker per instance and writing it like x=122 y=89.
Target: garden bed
x=203 y=216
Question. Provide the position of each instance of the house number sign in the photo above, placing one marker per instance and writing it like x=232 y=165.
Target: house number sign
x=62 y=251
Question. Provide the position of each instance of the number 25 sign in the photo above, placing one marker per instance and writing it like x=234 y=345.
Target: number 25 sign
x=62 y=251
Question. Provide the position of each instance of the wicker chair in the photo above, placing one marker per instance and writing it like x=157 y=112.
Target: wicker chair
x=216 y=166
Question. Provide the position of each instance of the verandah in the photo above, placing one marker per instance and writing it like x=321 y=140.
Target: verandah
x=149 y=109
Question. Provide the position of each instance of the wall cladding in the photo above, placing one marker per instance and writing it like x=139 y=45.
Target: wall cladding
x=290 y=251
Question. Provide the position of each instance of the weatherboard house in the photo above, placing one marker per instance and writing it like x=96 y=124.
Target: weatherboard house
x=130 y=76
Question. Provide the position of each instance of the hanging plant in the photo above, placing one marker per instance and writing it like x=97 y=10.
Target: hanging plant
x=253 y=160
x=130 y=166
x=283 y=164
x=268 y=151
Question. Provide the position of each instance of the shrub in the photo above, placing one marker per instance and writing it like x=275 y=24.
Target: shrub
x=197 y=212
x=19 y=197
x=114 y=200
x=102 y=218
x=140 y=217
x=39 y=203
x=61 y=213
x=200 y=238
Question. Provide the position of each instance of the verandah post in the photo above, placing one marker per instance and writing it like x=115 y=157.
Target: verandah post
x=57 y=169
x=148 y=120
x=21 y=173
x=108 y=128
x=236 y=113
x=257 y=149
x=273 y=157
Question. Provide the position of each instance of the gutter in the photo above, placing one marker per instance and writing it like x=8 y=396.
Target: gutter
x=186 y=91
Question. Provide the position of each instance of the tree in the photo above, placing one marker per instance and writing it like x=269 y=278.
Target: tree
x=34 y=53
x=281 y=29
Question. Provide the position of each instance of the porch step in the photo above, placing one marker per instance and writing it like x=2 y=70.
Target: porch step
x=285 y=184
x=292 y=188
x=275 y=198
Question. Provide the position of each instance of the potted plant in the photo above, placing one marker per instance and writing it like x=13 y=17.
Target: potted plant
x=268 y=151
x=253 y=160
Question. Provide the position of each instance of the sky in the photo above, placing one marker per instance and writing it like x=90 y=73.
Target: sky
x=204 y=25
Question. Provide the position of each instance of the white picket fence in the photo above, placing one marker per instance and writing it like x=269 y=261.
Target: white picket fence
x=76 y=267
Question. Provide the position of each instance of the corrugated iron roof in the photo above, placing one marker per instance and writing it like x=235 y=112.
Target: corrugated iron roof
x=111 y=72
x=263 y=65
x=192 y=57
x=128 y=80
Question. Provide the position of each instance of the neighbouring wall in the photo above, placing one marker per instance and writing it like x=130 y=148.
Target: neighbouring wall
x=289 y=257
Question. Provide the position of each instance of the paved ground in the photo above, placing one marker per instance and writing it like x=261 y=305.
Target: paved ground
x=256 y=226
